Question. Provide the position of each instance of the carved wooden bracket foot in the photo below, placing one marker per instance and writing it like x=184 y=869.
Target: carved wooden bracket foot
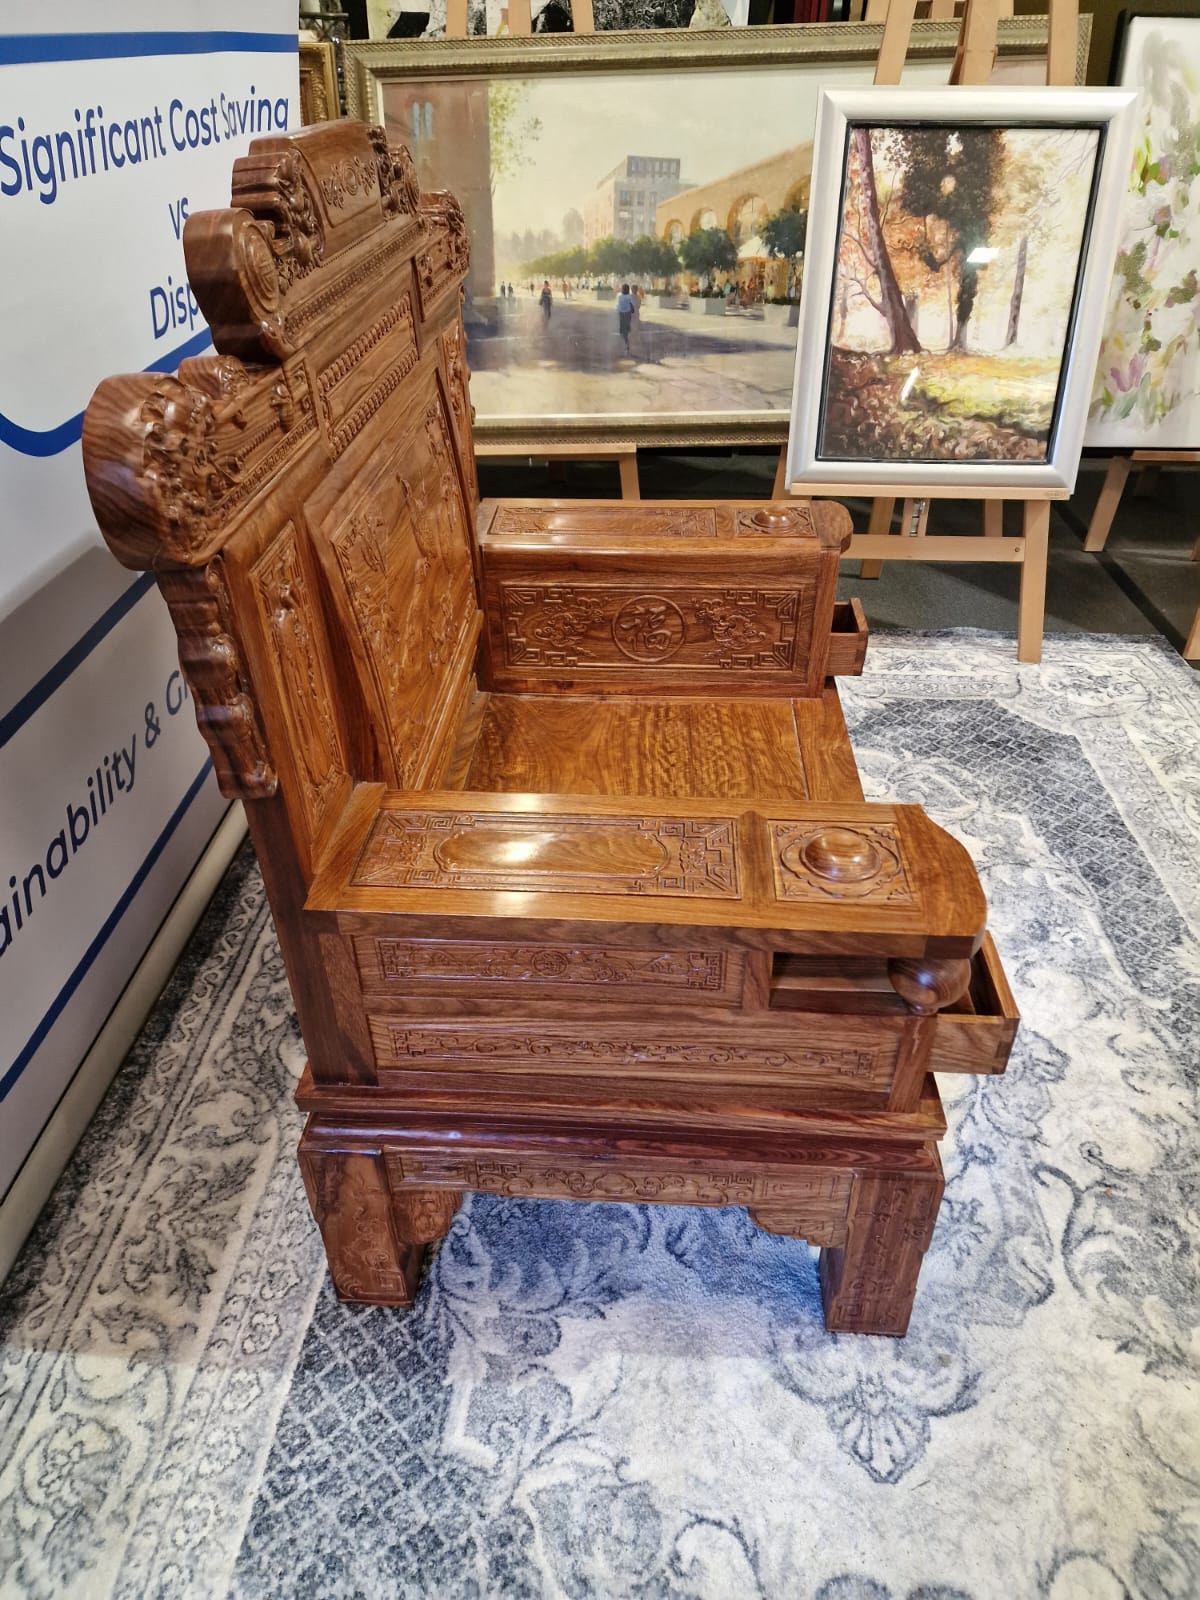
x=868 y=1285
x=374 y=1238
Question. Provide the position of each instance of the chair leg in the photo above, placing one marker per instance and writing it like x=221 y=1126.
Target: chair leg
x=869 y=1283
x=374 y=1235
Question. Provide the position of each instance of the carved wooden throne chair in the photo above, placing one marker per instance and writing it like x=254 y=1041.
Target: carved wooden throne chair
x=572 y=873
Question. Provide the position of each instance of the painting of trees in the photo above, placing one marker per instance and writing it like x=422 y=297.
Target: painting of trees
x=512 y=130
x=948 y=181
x=956 y=265
x=708 y=250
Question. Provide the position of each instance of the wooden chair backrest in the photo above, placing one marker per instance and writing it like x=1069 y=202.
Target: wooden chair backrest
x=306 y=496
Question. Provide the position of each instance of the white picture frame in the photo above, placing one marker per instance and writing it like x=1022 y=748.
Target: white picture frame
x=1147 y=390
x=813 y=457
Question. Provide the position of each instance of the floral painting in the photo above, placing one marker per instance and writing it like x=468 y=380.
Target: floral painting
x=954 y=289
x=1147 y=390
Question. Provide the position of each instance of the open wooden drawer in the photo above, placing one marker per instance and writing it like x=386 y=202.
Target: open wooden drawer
x=976 y=1033
x=847 y=639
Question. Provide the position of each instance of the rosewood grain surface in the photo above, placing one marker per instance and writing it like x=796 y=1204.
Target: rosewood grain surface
x=563 y=744
x=575 y=885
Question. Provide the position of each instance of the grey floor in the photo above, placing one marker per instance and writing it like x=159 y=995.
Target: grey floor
x=1143 y=582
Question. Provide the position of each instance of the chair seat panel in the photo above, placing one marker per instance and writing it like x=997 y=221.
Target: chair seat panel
x=567 y=744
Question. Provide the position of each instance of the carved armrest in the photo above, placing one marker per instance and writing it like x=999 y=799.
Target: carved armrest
x=807 y=879
x=678 y=597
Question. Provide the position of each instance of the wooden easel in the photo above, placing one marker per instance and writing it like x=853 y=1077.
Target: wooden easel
x=1115 y=480
x=973 y=62
x=520 y=25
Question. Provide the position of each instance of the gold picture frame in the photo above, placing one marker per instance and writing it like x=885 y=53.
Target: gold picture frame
x=318 y=82
x=802 y=55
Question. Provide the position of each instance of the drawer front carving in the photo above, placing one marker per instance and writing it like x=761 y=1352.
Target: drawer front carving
x=789 y=1060
x=694 y=629
x=696 y=977
x=552 y=854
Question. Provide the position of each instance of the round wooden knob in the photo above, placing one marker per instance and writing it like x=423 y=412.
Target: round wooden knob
x=927 y=986
x=777 y=519
x=841 y=855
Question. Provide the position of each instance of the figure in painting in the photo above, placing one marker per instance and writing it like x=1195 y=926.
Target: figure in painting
x=546 y=301
x=626 y=310
x=954 y=290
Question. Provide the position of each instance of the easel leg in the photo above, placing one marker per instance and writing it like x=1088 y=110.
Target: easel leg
x=881 y=522
x=1191 y=647
x=1031 y=608
x=868 y=1285
x=1106 y=506
x=630 y=487
x=993 y=519
x=374 y=1237
x=780 y=489
x=1147 y=482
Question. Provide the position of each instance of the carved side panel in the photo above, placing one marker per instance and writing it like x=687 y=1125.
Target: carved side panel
x=298 y=666
x=442 y=264
x=816 y=1201
x=355 y=386
x=458 y=375
x=208 y=652
x=862 y=862
x=603 y=628
x=615 y=521
x=552 y=854
x=641 y=1051
x=400 y=565
x=408 y=966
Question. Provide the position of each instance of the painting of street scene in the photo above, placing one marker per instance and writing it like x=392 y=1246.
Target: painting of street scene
x=637 y=237
x=954 y=290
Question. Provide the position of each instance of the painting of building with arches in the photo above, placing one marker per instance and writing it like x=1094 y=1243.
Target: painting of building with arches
x=638 y=213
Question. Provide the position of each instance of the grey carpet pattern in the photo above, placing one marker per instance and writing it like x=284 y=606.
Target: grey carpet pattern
x=630 y=1401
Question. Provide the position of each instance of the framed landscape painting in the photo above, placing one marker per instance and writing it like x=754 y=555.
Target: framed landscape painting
x=961 y=246
x=1147 y=389
x=638 y=208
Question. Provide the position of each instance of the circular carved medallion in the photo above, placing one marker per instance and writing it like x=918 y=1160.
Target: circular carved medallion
x=648 y=628
x=259 y=275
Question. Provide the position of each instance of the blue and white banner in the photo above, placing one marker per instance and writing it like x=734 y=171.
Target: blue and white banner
x=108 y=140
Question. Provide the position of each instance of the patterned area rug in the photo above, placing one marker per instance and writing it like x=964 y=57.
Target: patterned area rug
x=618 y=1401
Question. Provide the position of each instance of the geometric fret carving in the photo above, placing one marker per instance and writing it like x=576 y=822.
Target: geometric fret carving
x=551 y=854
x=859 y=862
x=607 y=627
